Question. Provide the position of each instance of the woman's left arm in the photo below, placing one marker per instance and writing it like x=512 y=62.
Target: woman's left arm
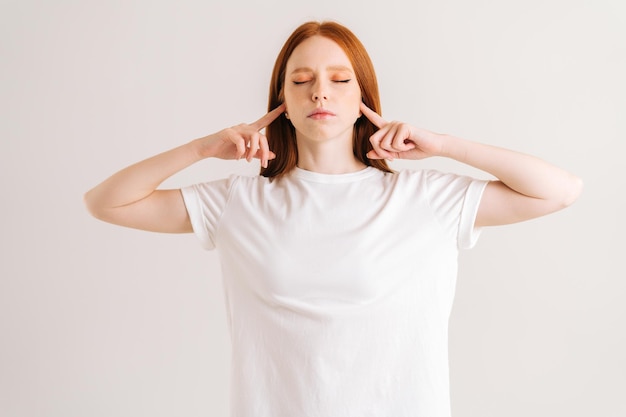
x=526 y=186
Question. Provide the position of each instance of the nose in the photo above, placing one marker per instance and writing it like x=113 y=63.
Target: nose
x=319 y=96
x=319 y=92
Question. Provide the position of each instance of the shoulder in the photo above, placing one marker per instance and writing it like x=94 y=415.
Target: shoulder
x=232 y=181
x=434 y=176
x=419 y=177
x=427 y=174
x=435 y=184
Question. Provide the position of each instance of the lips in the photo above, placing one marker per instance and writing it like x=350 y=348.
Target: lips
x=321 y=114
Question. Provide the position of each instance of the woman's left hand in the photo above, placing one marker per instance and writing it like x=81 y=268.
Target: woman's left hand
x=397 y=140
x=527 y=187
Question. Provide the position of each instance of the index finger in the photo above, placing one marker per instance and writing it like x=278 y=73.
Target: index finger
x=269 y=117
x=372 y=116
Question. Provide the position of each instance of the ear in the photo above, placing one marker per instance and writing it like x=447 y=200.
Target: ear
x=281 y=98
x=281 y=94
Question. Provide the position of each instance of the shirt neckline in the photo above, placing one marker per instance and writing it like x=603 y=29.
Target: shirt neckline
x=335 y=178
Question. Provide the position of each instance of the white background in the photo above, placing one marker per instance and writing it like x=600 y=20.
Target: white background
x=98 y=320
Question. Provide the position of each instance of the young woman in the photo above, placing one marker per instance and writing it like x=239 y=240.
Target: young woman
x=339 y=273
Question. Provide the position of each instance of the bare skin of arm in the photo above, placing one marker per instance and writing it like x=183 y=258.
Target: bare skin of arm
x=527 y=187
x=130 y=197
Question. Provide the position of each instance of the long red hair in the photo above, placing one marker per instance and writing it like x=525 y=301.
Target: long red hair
x=281 y=134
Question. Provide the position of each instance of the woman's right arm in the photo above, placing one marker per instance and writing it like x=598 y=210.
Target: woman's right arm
x=130 y=197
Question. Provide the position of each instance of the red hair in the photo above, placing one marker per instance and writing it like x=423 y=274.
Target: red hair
x=281 y=134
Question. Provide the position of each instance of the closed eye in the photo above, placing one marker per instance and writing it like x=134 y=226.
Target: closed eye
x=335 y=81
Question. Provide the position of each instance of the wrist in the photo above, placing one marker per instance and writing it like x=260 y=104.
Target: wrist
x=447 y=146
x=198 y=148
x=453 y=147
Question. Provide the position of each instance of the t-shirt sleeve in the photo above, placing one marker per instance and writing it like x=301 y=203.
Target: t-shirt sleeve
x=454 y=200
x=205 y=204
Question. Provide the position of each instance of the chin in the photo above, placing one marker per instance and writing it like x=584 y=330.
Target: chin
x=322 y=130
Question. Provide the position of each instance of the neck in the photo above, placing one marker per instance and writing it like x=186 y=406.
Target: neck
x=328 y=157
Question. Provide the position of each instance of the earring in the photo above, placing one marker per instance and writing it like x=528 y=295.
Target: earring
x=286 y=115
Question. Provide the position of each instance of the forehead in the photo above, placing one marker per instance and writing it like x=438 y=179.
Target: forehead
x=318 y=52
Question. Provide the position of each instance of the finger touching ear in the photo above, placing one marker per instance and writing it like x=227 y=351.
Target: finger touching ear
x=373 y=116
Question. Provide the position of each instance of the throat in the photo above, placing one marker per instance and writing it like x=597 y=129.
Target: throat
x=328 y=156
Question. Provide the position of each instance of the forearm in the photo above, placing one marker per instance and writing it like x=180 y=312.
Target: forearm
x=525 y=174
x=139 y=180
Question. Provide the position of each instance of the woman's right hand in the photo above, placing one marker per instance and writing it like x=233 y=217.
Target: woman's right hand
x=241 y=141
x=130 y=197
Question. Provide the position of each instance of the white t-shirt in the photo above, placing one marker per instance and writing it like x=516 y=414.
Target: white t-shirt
x=338 y=287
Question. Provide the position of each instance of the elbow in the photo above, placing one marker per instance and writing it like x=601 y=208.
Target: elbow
x=572 y=191
x=92 y=206
x=89 y=205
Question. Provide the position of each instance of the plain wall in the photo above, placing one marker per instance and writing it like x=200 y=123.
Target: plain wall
x=98 y=320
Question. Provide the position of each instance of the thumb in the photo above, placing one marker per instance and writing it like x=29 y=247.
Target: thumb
x=373 y=155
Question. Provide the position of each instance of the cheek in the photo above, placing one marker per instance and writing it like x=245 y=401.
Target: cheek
x=285 y=96
x=355 y=104
x=290 y=98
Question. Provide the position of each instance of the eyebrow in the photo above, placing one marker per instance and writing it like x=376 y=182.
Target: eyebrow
x=331 y=68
